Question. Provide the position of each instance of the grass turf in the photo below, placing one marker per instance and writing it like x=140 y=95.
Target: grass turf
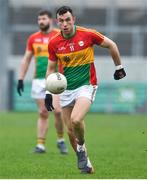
x=117 y=146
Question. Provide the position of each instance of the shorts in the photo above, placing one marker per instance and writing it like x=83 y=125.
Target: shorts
x=69 y=97
x=38 y=89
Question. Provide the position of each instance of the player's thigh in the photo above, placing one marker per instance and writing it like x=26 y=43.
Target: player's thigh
x=56 y=104
x=66 y=115
x=81 y=107
x=41 y=107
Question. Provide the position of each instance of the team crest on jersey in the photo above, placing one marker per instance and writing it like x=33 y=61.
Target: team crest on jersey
x=66 y=58
x=45 y=40
x=81 y=43
x=39 y=49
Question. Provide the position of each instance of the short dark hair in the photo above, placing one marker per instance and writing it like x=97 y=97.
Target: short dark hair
x=45 y=12
x=64 y=9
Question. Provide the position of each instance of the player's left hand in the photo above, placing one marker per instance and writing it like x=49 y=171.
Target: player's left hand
x=20 y=87
x=119 y=74
x=49 y=102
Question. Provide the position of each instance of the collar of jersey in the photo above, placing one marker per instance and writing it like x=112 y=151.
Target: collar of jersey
x=69 y=37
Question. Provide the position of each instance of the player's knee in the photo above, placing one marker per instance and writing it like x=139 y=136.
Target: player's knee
x=75 y=121
x=43 y=113
x=57 y=111
x=70 y=131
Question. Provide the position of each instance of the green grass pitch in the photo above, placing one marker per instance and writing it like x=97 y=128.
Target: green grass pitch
x=117 y=146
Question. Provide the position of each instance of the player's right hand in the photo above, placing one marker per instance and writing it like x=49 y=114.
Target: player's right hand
x=49 y=102
x=20 y=87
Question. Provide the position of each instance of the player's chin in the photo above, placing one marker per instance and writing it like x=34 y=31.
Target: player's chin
x=66 y=32
x=42 y=27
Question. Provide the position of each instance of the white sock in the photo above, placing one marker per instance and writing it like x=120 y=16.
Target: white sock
x=60 y=140
x=80 y=147
x=41 y=146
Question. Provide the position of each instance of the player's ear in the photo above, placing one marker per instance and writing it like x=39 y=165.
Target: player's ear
x=51 y=21
x=74 y=19
x=56 y=21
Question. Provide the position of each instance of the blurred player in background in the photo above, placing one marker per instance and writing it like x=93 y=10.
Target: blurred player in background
x=37 y=46
x=72 y=49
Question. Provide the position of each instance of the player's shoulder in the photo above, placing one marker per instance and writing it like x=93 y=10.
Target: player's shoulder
x=80 y=28
x=34 y=35
x=54 y=33
x=55 y=37
x=56 y=30
x=89 y=31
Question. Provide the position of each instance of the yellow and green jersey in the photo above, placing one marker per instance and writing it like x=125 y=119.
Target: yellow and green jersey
x=75 y=56
x=38 y=44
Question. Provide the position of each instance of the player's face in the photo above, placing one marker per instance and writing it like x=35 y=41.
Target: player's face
x=44 y=22
x=66 y=23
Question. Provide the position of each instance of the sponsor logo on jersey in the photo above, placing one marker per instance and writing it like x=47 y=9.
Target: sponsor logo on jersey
x=37 y=40
x=45 y=40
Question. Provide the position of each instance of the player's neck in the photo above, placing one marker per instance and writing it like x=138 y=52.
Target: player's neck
x=47 y=31
x=71 y=34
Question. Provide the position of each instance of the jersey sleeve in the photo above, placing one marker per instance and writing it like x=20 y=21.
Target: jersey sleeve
x=29 y=44
x=52 y=52
x=96 y=37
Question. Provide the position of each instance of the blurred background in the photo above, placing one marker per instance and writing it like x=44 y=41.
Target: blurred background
x=124 y=21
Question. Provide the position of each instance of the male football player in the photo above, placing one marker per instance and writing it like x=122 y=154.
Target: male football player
x=72 y=49
x=37 y=46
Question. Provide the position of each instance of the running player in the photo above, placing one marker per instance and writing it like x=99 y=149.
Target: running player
x=72 y=49
x=37 y=46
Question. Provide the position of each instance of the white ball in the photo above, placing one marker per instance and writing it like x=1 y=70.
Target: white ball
x=56 y=83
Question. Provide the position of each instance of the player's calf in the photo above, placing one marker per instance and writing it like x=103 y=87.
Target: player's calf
x=72 y=139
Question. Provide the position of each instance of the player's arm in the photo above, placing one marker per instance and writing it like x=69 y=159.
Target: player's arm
x=111 y=45
x=25 y=64
x=113 y=49
x=51 y=68
x=103 y=41
x=23 y=70
x=52 y=60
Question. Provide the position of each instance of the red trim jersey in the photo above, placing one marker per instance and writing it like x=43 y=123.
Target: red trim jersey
x=38 y=44
x=75 y=56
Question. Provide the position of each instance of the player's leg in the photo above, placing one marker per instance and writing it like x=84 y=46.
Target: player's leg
x=66 y=113
x=77 y=119
x=59 y=125
x=42 y=125
x=38 y=93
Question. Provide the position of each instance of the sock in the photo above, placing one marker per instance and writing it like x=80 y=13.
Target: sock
x=60 y=135
x=41 y=146
x=40 y=143
x=80 y=142
x=80 y=147
x=60 y=140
